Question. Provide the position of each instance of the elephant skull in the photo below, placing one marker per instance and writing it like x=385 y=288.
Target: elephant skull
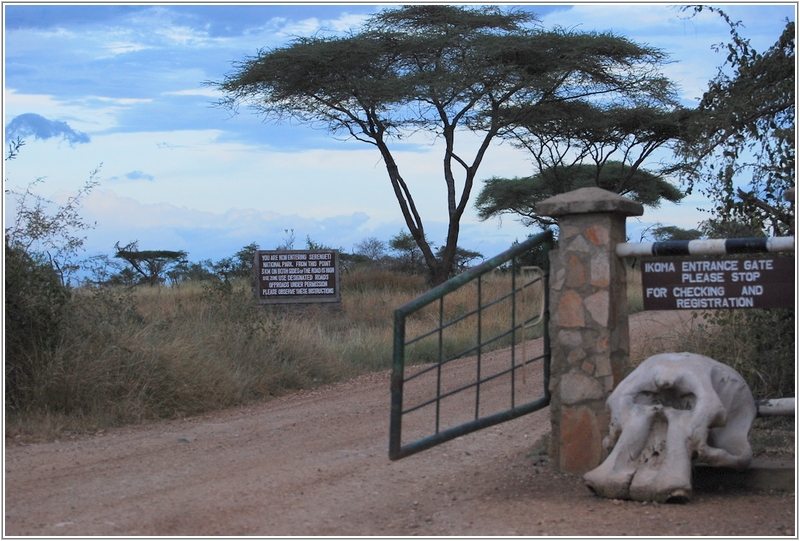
x=672 y=410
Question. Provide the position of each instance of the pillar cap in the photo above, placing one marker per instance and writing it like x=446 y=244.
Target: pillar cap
x=588 y=201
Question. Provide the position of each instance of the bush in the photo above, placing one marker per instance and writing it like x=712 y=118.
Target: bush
x=759 y=344
x=34 y=304
x=40 y=246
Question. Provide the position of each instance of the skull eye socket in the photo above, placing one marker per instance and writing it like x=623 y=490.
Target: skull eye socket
x=668 y=398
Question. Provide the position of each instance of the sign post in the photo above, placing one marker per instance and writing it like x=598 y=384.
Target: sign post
x=718 y=284
x=297 y=276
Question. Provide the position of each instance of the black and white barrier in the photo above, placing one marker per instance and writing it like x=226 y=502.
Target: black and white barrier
x=706 y=247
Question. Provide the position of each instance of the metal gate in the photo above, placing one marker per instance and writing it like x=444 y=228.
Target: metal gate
x=448 y=375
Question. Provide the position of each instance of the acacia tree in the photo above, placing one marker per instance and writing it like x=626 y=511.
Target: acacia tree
x=151 y=266
x=443 y=70
x=409 y=253
x=744 y=127
x=627 y=131
x=519 y=196
x=579 y=144
x=240 y=265
x=663 y=233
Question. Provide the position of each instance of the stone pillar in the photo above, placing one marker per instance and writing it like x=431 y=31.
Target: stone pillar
x=588 y=321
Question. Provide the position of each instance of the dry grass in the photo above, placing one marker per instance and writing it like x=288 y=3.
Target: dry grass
x=635 y=300
x=464 y=328
x=151 y=353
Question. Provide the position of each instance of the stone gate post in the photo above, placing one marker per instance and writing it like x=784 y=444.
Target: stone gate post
x=588 y=322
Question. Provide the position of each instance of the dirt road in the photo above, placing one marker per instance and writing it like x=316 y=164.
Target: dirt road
x=315 y=463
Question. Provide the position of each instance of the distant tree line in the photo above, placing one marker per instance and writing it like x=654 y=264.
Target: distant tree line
x=132 y=266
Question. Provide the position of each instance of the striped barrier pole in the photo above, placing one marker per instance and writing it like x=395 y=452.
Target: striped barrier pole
x=706 y=247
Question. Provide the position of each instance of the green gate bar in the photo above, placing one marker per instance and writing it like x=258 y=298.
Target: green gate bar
x=396 y=449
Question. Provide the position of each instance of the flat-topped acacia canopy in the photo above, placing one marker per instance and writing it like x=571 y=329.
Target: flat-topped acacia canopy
x=449 y=71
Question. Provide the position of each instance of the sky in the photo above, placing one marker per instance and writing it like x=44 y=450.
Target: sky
x=122 y=87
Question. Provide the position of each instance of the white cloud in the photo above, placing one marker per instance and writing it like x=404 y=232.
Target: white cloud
x=195 y=170
x=277 y=30
x=122 y=47
x=211 y=235
x=99 y=43
x=89 y=113
x=183 y=36
x=346 y=22
x=206 y=235
x=204 y=91
x=305 y=27
x=120 y=101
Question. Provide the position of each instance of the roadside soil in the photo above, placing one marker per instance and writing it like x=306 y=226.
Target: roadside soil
x=315 y=463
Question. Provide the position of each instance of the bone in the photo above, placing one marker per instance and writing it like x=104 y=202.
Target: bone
x=673 y=410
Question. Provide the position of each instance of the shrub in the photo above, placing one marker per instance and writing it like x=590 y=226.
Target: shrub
x=759 y=344
x=40 y=246
x=34 y=302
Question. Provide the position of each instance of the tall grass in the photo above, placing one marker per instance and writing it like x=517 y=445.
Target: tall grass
x=151 y=353
x=465 y=328
x=132 y=355
x=635 y=298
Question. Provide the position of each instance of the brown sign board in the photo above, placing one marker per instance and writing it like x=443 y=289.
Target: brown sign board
x=297 y=276
x=718 y=284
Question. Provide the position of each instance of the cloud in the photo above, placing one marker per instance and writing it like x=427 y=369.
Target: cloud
x=206 y=235
x=207 y=92
x=31 y=124
x=215 y=235
x=138 y=175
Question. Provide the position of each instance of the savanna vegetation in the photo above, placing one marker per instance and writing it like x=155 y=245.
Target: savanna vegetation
x=151 y=335
x=118 y=354
x=146 y=335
